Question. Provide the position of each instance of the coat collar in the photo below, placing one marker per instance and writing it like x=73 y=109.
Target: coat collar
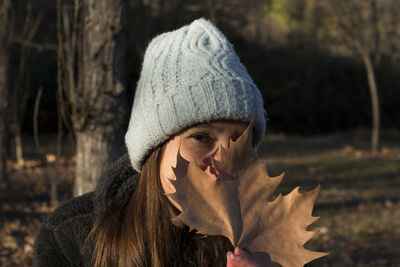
x=116 y=185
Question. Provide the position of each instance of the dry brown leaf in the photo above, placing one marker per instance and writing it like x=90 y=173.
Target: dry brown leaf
x=237 y=205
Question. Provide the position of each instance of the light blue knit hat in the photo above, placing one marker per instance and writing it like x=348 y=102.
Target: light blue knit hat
x=189 y=76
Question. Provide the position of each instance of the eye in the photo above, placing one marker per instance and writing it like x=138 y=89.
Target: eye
x=203 y=138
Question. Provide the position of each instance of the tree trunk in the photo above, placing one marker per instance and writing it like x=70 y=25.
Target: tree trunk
x=3 y=112
x=102 y=104
x=19 y=97
x=4 y=12
x=94 y=153
x=18 y=146
x=15 y=131
x=374 y=98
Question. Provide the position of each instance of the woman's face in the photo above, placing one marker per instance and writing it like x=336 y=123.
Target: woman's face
x=199 y=144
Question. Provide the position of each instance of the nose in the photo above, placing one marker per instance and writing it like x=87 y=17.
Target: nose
x=211 y=169
x=224 y=142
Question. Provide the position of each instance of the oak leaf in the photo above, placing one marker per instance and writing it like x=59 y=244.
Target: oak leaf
x=237 y=205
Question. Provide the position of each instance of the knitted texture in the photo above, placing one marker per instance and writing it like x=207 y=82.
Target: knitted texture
x=189 y=76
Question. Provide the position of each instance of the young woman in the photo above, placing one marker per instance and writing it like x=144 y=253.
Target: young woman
x=193 y=96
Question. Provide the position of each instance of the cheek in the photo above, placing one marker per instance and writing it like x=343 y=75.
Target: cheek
x=168 y=160
x=194 y=151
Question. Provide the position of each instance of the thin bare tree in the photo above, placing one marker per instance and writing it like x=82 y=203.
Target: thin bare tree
x=4 y=90
x=20 y=89
x=358 y=23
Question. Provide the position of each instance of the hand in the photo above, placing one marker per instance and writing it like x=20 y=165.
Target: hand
x=239 y=258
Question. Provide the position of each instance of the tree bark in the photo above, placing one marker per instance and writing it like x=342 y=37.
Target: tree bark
x=102 y=106
x=4 y=12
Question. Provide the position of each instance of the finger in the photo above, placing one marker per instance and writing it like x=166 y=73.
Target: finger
x=241 y=252
x=237 y=260
x=229 y=262
x=241 y=258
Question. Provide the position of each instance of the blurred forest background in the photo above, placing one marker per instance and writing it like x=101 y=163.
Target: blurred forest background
x=328 y=72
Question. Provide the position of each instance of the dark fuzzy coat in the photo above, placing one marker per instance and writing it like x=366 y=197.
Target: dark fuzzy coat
x=62 y=235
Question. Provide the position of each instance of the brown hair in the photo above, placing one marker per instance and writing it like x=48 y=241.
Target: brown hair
x=139 y=232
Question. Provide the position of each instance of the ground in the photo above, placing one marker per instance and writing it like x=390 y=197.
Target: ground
x=358 y=205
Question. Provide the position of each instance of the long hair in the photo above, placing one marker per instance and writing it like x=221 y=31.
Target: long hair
x=139 y=232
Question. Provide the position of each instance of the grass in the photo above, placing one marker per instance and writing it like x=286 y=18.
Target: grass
x=358 y=205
